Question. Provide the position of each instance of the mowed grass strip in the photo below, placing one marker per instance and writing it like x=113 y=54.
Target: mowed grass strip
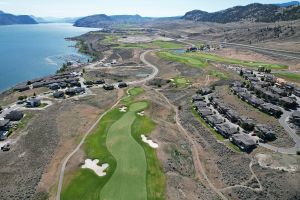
x=151 y=45
x=201 y=59
x=183 y=58
x=129 y=179
x=156 y=182
x=136 y=91
x=85 y=184
x=216 y=58
x=291 y=76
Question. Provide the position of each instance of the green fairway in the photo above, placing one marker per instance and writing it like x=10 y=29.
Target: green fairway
x=129 y=178
x=218 y=74
x=134 y=171
x=180 y=81
x=290 y=76
x=201 y=59
x=153 y=45
x=183 y=58
x=135 y=91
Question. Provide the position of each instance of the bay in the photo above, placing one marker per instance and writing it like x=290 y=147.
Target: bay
x=32 y=51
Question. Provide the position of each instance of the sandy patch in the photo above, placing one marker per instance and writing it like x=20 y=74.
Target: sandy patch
x=123 y=109
x=142 y=113
x=150 y=142
x=284 y=162
x=92 y=164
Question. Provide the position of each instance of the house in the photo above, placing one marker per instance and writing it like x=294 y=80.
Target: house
x=200 y=105
x=296 y=92
x=226 y=130
x=232 y=116
x=54 y=86
x=271 y=109
x=192 y=49
x=122 y=85
x=58 y=94
x=264 y=132
x=197 y=97
x=214 y=120
x=246 y=123
x=288 y=102
x=256 y=102
x=63 y=84
x=295 y=118
x=108 y=87
x=222 y=108
x=75 y=83
x=4 y=124
x=278 y=91
x=14 y=115
x=70 y=92
x=100 y=82
x=33 y=102
x=243 y=141
x=205 y=112
x=269 y=78
x=79 y=90
x=21 y=88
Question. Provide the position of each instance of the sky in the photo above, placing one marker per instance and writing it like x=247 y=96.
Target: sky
x=149 y=8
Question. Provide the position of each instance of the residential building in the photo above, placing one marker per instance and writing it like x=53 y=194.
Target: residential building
x=14 y=115
x=58 y=94
x=54 y=86
x=214 y=120
x=33 y=102
x=264 y=132
x=244 y=141
x=226 y=130
x=246 y=123
x=288 y=102
x=295 y=118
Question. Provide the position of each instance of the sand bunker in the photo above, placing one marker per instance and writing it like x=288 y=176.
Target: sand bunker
x=150 y=142
x=123 y=109
x=92 y=164
x=141 y=113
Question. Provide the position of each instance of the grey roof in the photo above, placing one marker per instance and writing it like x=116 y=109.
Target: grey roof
x=227 y=128
x=263 y=128
x=4 y=122
x=296 y=114
x=205 y=111
x=244 y=138
x=215 y=119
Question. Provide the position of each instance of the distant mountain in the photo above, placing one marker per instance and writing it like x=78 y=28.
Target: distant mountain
x=9 y=19
x=287 y=4
x=55 y=19
x=103 y=20
x=252 y=12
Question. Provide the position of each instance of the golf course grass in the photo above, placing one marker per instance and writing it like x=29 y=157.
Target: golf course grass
x=290 y=76
x=180 y=81
x=201 y=59
x=134 y=171
x=152 y=45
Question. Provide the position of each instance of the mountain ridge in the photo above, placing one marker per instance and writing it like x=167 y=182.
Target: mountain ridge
x=10 y=19
x=253 y=12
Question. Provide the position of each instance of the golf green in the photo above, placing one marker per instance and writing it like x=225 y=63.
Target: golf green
x=128 y=182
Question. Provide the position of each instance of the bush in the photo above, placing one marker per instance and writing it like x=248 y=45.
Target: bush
x=21 y=98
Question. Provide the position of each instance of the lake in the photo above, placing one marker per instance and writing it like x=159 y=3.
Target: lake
x=32 y=51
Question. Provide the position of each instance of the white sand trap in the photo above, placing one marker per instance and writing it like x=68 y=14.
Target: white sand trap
x=92 y=164
x=150 y=142
x=141 y=113
x=123 y=109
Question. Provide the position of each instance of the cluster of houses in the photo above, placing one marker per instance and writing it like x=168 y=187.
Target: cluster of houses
x=241 y=130
x=54 y=81
x=8 y=122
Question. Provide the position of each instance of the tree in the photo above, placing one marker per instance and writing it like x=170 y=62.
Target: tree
x=241 y=73
x=21 y=98
x=83 y=70
x=1 y=108
x=34 y=94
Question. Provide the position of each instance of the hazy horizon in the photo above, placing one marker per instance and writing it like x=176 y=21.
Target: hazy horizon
x=146 y=8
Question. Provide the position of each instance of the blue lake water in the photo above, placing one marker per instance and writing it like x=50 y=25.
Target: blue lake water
x=32 y=51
